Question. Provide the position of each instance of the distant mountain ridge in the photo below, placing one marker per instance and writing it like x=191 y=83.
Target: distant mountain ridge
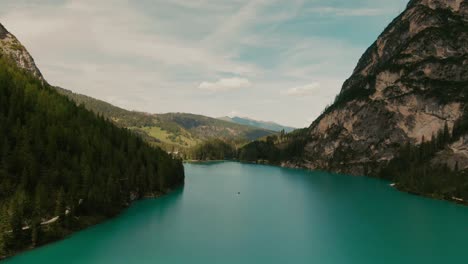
x=171 y=131
x=259 y=124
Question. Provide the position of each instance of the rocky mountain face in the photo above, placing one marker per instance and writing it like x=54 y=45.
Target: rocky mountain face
x=405 y=88
x=11 y=47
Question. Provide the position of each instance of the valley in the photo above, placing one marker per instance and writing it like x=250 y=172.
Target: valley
x=386 y=163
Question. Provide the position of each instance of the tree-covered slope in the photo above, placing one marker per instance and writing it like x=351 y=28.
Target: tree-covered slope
x=63 y=167
x=171 y=131
x=259 y=124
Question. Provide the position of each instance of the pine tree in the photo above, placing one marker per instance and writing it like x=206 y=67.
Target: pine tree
x=422 y=150
x=17 y=214
x=60 y=204
x=4 y=228
x=2 y=243
x=446 y=133
x=35 y=232
x=51 y=149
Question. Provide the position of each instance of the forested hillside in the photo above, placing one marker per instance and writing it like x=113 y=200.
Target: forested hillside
x=63 y=167
x=174 y=132
x=256 y=123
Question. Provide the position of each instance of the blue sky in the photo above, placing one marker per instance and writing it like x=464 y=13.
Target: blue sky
x=282 y=61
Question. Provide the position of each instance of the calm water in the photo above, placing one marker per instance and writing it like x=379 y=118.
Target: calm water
x=280 y=216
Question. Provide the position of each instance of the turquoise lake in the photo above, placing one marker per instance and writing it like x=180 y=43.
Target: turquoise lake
x=230 y=212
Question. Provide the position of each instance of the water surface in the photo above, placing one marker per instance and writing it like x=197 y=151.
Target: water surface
x=239 y=213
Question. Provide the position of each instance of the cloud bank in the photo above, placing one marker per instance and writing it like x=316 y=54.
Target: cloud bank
x=306 y=90
x=226 y=84
x=160 y=55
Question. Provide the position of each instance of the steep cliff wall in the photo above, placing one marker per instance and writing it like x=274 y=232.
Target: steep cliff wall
x=406 y=87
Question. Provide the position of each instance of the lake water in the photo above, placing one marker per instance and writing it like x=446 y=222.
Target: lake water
x=238 y=213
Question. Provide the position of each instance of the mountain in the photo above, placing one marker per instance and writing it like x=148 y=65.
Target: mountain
x=11 y=47
x=171 y=131
x=259 y=124
x=407 y=86
x=402 y=114
x=62 y=167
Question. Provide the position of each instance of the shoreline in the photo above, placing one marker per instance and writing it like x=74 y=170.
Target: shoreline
x=98 y=220
x=396 y=186
x=451 y=199
x=207 y=161
x=455 y=200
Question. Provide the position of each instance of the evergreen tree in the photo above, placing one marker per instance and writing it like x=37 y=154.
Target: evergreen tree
x=60 y=204
x=4 y=228
x=35 y=232
x=446 y=134
x=57 y=156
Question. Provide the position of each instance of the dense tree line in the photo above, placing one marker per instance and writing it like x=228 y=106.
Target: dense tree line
x=59 y=160
x=270 y=149
x=214 y=149
x=122 y=117
x=413 y=170
x=275 y=148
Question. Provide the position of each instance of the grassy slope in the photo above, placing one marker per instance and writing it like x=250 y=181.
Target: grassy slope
x=172 y=131
x=259 y=124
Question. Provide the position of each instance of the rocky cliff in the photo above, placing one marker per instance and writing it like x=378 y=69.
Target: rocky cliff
x=405 y=88
x=11 y=47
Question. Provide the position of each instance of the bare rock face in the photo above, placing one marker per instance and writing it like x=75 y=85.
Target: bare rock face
x=454 y=5
x=406 y=86
x=12 y=48
x=455 y=156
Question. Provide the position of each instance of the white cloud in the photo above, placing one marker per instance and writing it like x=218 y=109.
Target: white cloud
x=234 y=24
x=225 y=84
x=150 y=55
x=343 y=12
x=305 y=90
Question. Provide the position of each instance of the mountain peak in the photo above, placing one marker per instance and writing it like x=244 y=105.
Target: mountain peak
x=3 y=31
x=407 y=87
x=11 y=47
